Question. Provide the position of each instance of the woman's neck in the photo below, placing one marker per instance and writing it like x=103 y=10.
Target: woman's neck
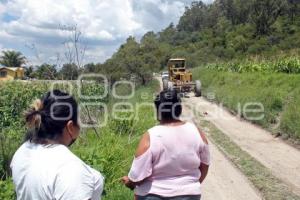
x=172 y=121
x=45 y=141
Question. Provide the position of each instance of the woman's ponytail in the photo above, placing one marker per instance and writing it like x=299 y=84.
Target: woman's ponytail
x=33 y=116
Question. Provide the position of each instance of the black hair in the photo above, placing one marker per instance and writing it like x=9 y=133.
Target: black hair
x=48 y=116
x=168 y=105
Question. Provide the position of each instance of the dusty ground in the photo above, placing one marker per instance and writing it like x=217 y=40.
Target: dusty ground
x=283 y=160
x=225 y=181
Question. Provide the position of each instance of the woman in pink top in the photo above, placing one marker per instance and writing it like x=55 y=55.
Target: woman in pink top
x=172 y=158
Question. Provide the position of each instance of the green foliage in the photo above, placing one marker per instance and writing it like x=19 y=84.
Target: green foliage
x=44 y=72
x=11 y=105
x=136 y=61
x=123 y=124
x=293 y=8
x=89 y=68
x=69 y=72
x=265 y=13
x=12 y=59
x=289 y=65
x=7 y=190
x=14 y=98
x=111 y=154
x=290 y=117
x=194 y=17
x=29 y=72
x=278 y=93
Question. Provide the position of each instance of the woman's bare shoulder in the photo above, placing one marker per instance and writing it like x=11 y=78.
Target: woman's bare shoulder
x=144 y=145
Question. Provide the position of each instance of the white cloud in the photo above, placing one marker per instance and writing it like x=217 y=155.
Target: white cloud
x=157 y=14
x=105 y=24
x=2 y=8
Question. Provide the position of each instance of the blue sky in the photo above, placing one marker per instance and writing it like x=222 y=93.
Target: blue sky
x=34 y=27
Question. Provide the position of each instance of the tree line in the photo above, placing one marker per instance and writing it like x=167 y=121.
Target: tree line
x=69 y=71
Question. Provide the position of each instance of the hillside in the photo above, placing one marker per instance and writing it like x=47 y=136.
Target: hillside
x=220 y=32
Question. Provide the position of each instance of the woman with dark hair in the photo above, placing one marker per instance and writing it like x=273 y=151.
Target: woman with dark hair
x=172 y=158
x=43 y=168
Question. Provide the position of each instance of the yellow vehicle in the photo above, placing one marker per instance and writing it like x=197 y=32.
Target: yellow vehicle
x=180 y=78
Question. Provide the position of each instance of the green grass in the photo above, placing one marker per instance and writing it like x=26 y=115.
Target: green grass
x=270 y=187
x=279 y=93
x=111 y=153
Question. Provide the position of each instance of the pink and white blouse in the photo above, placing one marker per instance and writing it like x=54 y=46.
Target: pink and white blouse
x=170 y=167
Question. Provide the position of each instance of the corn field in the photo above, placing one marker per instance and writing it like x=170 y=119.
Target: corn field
x=286 y=65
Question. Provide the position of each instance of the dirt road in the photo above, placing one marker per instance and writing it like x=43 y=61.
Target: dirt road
x=225 y=181
x=282 y=159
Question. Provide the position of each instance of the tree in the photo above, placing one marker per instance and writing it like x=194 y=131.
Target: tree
x=89 y=68
x=130 y=56
x=228 y=9
x=139 y=60
x=45 y=72
x=293 y=9
x=69 y=71
x=29 y=72
x=12 y=59
x=265 y=13
x=167 y=35
x=155 y=53
x=194 y=18
x=236 y=11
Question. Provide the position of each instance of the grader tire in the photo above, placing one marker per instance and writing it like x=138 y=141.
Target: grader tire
x=165 y=84
x=198 y=91
x=170 y=86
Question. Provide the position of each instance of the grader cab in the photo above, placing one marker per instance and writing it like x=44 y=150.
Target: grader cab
x=180 y=78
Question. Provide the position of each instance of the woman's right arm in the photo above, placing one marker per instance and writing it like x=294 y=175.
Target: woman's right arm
x=75 y=181
x=144 y=145
x=142 y=164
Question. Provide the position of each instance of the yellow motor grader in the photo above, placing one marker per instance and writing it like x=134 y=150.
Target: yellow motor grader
x=180 y=78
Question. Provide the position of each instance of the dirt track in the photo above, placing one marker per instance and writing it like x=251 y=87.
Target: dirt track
x=282 y=159
x=225 y=181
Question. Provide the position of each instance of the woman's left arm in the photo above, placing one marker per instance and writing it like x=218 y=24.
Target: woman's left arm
x=204 y=170
x=204 y=156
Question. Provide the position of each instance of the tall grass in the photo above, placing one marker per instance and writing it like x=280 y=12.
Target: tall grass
x=111 y=153
x=278 y=92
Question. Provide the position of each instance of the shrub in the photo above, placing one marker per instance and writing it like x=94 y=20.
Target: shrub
x=7 y=190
